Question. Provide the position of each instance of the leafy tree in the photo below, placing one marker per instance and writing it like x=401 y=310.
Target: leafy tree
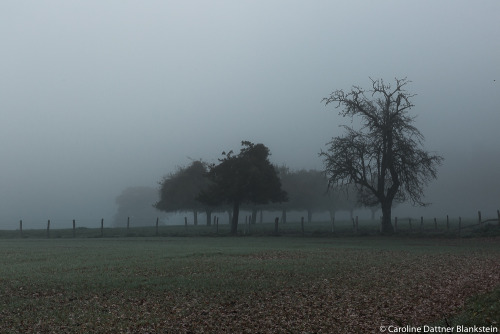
x=248 y=177
x=179 y=191
x=384 y=159
x=135 y=202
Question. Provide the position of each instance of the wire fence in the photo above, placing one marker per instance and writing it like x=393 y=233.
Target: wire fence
x=153 y=227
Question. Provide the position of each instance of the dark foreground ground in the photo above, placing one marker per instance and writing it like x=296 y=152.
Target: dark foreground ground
x=246 y=284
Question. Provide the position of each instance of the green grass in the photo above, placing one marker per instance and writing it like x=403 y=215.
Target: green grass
x=238 y=284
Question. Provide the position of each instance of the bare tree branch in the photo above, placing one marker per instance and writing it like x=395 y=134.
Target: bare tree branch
x=385 y=159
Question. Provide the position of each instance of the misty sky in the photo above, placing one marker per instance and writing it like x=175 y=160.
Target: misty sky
x=97 y=96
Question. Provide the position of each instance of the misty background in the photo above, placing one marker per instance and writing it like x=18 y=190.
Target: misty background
x=99 y=96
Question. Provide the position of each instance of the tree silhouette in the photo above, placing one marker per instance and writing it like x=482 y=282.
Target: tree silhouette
x=179 y=191
x=384 y=159
x=245 y=178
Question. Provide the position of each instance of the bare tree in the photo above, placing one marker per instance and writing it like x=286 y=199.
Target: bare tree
x=384 y=158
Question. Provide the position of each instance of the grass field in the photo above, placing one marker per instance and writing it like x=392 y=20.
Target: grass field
x=246 y=284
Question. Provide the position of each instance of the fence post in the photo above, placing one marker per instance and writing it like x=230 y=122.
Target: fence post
x=157 y=219
x=276 y=220
x=48 y=228
x=395 y=224
x=459 y=226
x=217 y=224
x=21 y=227
x=186 y=222
x=498 y=214
x=447 y=223
x=246 y=225
x=74 y=225
x=128 y=223
x=435 y=224
x=333 y=224
x=479 y=217
x=302 y=225
x=421 y=223
x=102 y=227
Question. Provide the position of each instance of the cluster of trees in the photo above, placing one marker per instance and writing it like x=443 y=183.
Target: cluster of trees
x=379 y=164
x=188 y=189
x=250 y=182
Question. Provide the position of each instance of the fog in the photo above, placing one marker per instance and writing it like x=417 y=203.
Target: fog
x=98 y=96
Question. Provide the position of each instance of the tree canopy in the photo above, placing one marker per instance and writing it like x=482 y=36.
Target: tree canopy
x=248 y=177
x=384 y=158
x=179 y=190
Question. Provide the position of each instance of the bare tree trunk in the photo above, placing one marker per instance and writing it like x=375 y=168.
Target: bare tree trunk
x=234 y=222
x=387 y=227
x=254 y=215
x=208 y=212
x=332 y=214
x=195 y=217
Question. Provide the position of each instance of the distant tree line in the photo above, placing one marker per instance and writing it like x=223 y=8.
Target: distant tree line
x=249 y=182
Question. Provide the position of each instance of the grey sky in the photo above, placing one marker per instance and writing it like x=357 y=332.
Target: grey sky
x=96 y=96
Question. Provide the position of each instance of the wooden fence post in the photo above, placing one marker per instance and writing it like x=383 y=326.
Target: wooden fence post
x=186 y=222
x=395 y=224
x=74 y=228
x=333 y=224
x=498 y=214
x=479 y=217
x=102 y=227
x=246 y=225
x=217 y=224
x=157 y=219
x=21 y=227
x=302 y=225
x=447 y=223
x=276 y=221
x=435 y=224
x=128 y=223
x=48 y=228
x=459 y=226
x=421 y=223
